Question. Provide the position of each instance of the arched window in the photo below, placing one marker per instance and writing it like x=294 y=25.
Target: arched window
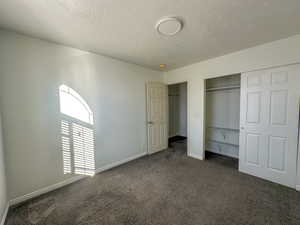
x=72 y=104
x=77 y=133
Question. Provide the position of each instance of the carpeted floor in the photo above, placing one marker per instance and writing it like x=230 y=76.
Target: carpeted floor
x=167 y=188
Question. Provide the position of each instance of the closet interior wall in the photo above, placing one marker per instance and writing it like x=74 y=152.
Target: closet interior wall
x=223 y=115
x=177 y=109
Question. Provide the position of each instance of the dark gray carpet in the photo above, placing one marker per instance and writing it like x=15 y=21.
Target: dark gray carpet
x=167 y=188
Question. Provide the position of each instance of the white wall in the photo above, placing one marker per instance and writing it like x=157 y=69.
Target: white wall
x=273 y=54
x=31 y=72
x=3 y=194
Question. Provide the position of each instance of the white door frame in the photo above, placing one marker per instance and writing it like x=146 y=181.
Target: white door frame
x=204 y=110
x=188 y=110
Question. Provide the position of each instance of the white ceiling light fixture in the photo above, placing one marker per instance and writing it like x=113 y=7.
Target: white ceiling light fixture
x=169 y=26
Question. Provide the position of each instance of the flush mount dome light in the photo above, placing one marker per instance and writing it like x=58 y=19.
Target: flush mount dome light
x=169 y=26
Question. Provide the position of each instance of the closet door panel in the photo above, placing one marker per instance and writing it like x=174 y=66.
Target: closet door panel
x=252 y=146
x=278 y=107
x=277 y=153
x=253 y=111
x=269 y=124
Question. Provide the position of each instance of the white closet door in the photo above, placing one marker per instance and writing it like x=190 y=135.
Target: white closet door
x=269 y=124
x=157 y=97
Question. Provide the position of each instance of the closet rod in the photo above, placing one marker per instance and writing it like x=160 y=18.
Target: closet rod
x=223 y=88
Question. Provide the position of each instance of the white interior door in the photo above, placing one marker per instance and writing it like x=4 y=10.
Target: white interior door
x=157 y=120
x=269 y=124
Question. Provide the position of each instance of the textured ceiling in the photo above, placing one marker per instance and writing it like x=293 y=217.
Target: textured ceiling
x=124 y=29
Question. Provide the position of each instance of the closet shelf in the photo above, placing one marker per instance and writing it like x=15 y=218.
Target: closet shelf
x=223 y=88
x=225 y=143
x=223 y=128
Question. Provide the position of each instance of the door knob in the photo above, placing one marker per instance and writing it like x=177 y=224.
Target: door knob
x=150 y=122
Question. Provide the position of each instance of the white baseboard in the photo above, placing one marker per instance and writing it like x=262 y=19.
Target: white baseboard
x=120 y=162
x=69 y=181
x=195 y=156
x=44 y=190
x=4 y=214
x=298 y=187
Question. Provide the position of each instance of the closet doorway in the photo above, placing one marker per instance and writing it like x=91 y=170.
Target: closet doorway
x=177 y=97
x=222 y=119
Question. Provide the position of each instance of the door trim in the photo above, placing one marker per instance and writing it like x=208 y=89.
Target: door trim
x=187 y=115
